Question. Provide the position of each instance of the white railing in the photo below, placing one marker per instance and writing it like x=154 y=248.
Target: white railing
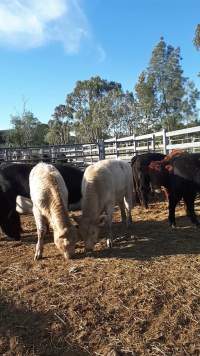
x=124 y=147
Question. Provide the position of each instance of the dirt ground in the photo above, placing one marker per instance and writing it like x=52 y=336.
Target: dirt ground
x=140 y=298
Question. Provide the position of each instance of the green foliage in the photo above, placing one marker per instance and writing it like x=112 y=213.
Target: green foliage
x=27 y=130
x=95 y=109
x=58 y=132
x=163 y=92
x=3 y=137
x=196 y=39
x=91 y=107
x=98 y=109
x=147 y=106
x=59 y=127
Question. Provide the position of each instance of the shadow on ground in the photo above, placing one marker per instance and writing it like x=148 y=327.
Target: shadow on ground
x=150 y=239
x=17 y=336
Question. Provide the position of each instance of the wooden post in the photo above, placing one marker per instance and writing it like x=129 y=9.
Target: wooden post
x=91 y=158
x=116 y=146
x=101 y=147
x=6 y=155
x=134 y=146
x=53 y=154
x=148 y=145
x=165 y=142
x=153 y=143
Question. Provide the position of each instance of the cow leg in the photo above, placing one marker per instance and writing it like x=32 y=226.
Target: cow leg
x=109 y=212
x=41 y=231
x=128 y=202
x=173 y=201
x=123 y=213
x=143 y=198
x=189 y=202
x=11 y=225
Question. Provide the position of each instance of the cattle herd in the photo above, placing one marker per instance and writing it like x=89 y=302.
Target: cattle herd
x=49 y=191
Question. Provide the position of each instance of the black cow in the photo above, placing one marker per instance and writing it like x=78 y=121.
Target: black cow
x=181 y=177
x=14 y=180
x=141 y=181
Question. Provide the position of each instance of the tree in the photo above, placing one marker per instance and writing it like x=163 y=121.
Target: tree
x=169 y=82
x=59 y=127
x=124 y=120
x=90 y=108
x=26 y=130
x=196 y=39
x=163 y=92
x=147 y=106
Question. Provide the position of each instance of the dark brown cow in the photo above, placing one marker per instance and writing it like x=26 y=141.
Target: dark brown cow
x=141 y=182
x=180 y=175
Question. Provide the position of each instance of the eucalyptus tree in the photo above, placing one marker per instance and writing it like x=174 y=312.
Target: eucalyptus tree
x=60 y=126
x=26 y=130
x=163 y=92
x=90 y=107
x=196 y=39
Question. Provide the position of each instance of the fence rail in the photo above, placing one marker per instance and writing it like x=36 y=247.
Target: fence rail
x=124 y=148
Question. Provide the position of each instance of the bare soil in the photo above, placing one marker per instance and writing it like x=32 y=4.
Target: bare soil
x=140 y=298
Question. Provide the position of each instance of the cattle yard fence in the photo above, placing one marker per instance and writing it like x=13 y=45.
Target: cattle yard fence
x=124 y=148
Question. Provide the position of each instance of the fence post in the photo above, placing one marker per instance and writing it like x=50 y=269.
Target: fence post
x=165 y=142
x=134 y=146
x=148 y=145
x=153 y=142
x=5 y=156
x=116 y=146
x=53 y=154
x=101 y=147
x=91 y=158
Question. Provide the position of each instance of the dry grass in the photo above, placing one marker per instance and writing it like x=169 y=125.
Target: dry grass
x=141 y=298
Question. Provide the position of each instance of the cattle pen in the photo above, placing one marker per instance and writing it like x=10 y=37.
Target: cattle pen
x=125 y=148
x=140 y=298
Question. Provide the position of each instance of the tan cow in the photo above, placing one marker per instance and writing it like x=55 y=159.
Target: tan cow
x=105 y=184
x=49 y=196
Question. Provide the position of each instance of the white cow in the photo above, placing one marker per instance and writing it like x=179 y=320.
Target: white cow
x=49 y=196
x=105 y=184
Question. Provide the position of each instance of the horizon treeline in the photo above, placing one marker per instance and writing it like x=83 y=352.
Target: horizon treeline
x=98 y=109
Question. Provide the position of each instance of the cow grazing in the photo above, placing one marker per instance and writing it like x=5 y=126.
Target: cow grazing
x=105 y=184
x=141 y=182
x=180 y=176
x=14 y=181
x=49 y=196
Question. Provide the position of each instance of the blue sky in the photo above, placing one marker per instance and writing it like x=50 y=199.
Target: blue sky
x=46 y=46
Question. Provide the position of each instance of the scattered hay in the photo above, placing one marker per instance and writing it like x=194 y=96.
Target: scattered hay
x=141 y=298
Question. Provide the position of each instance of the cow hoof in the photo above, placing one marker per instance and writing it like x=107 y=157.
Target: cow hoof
x=109 y=243
x=37 y=257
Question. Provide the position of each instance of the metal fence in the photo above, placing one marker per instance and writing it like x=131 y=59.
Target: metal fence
x=125 y=148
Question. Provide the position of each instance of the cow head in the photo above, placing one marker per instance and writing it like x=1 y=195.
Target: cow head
x=67 y=240
x=159 y=174
x=89 y=234
x=89 y=230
